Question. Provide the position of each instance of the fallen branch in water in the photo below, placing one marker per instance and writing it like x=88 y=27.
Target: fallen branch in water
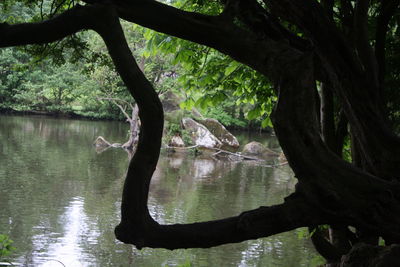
x=218 y=151
x=234 y=154
x=274 y=165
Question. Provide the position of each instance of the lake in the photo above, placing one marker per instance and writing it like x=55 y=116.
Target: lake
x=60 y=198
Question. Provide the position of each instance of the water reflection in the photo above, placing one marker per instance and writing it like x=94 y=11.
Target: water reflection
x=60 y=199
x=53 y=248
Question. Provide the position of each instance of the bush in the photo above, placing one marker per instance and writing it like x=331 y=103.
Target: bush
x=6 y=247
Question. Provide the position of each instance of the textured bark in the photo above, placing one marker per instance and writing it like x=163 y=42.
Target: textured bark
x=357 y=89
x=328 y=117
x=333 y=185
x=134 y=125
x=338 y=57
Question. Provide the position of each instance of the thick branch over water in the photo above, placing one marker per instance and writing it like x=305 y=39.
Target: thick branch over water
x=330 y=190
x=137 y=227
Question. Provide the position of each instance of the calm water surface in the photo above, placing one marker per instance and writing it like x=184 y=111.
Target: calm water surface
x=60 y=198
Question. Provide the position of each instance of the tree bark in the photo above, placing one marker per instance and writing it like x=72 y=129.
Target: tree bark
x=134 y=124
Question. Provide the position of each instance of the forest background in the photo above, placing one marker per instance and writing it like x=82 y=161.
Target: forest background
x=75 y=76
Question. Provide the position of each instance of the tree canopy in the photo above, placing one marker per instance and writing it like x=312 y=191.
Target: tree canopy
x=329 y=68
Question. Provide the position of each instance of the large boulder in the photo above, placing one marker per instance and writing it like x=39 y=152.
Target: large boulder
x=200 y=135
x=176 y=141
x=176 y=145
x=259 y=150
x=171 y=106
x=228 y=140
x=170 y=101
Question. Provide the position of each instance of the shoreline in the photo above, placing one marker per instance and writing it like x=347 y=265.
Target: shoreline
x=53 y=114
x=75 y=116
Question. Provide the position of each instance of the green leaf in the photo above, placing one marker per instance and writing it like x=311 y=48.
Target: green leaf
x=266 y=123
x=254 y=113
x=231 y=68
x=188 y=104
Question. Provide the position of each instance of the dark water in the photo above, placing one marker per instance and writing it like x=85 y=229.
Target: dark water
x=59 y=199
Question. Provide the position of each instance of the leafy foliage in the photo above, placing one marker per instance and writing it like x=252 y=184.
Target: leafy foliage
x=211 y=80
x=6 y=247
x=77 y=76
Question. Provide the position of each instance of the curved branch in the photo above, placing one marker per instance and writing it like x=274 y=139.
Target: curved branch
x=325 y=193
x=218 y=32
x=137 y=227
x=310 y=16
x=331 y=184
x=317 y=185
x=68 y=23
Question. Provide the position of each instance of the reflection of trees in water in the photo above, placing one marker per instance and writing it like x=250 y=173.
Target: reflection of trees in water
x=183 y=192
x=41 y=179
x=40 y=176
x=189 y=178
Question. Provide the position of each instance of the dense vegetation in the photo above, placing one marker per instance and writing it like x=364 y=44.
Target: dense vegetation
x=76 y=77
x=329 y=68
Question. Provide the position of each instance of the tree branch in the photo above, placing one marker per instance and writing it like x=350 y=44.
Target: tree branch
x=341 y=133
x=323 y=246
x=217 y=32
x=325 y=35
x=137 y=227
x=327 y=116
x=115 y=101
x=331 y=184
x=364 y=48
x=48 y=31
x=387 y=10
x=330 y=190
x=328 y=6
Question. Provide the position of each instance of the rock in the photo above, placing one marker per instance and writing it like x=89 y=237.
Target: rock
x=101 y=142
x=174 y=116
x=254 y=148
x=170 y=101
x=200 y=135
x=282 y=157
x=228 y=140
x=258 y=149
x=176 y=141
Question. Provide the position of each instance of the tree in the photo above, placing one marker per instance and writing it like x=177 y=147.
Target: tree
x=329 y=72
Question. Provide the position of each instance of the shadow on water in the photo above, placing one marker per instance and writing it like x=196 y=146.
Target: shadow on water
x=59 y=199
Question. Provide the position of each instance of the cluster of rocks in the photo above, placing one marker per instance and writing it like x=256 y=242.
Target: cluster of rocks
x=209 y=135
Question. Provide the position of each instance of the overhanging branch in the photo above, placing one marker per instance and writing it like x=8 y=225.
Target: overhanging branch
x=137 y=227
x=325 y=193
